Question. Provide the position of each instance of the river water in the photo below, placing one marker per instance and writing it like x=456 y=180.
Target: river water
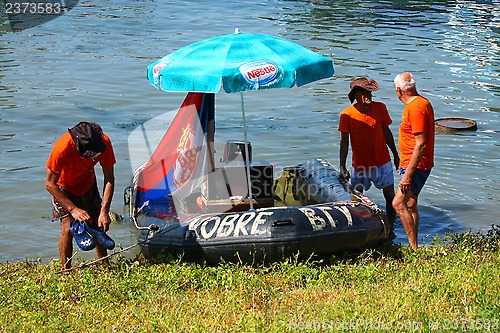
x=90 y=64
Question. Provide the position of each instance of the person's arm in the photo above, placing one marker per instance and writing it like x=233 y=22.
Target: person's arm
x=107 y=197
x=389 y=140
x=344 y=149
x=416 y=157
x=51 y=185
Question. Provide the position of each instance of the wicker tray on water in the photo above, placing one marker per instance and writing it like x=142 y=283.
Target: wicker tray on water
x=452 y=125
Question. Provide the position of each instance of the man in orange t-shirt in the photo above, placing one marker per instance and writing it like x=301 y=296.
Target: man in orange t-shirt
x=416 y=148
x=72 y=183
x=366 y=125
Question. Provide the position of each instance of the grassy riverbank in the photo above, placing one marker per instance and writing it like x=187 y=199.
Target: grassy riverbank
x=450 y=286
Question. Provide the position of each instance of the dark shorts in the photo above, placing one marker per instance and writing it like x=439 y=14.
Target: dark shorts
x=90 y=202
x=418 y=180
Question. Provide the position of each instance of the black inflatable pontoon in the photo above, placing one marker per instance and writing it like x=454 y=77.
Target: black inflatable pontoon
x=312 y=213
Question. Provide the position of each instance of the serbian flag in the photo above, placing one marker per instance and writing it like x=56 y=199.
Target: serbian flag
x=182 y=158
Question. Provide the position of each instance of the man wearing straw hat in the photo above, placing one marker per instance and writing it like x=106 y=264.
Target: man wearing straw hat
x=366 y=125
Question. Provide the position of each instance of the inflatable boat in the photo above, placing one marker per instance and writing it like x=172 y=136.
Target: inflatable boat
x=187 y=202
x=308 y=211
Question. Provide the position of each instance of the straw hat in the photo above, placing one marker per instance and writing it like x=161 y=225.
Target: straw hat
x=362 y=83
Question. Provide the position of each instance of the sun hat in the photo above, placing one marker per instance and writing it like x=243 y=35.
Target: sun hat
x=362 y=83
x=87 y=138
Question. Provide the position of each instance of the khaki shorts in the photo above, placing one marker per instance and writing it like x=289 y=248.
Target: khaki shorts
x=90 y=201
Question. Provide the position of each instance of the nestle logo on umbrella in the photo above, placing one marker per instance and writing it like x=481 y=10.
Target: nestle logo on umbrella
x=261 y=72
x=157 y=68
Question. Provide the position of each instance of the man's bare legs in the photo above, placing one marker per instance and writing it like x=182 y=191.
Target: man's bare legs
x=406 y=208
x=66 y=243
x=389 y=197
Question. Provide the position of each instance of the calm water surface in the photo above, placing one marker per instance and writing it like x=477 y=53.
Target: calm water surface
x=90 y=64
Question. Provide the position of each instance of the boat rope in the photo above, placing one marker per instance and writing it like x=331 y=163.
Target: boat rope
x=95 y=261
x=152 y=229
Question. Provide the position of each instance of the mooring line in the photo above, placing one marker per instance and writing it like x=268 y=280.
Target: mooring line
x=95 y=261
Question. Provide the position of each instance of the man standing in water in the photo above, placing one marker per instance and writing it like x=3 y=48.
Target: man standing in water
x=416 y=149
x=72 y=183
x=366 y=125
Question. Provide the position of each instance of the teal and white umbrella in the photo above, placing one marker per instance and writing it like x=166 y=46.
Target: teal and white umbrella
x=238 y=62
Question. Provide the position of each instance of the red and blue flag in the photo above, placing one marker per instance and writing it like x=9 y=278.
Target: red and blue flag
x=182 y=158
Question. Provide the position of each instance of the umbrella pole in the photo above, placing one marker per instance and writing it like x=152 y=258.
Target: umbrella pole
x=247 y=165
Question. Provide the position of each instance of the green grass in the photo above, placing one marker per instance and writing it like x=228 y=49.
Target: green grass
x=452 y=285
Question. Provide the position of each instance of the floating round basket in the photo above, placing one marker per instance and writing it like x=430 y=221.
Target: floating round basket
x=452 y=125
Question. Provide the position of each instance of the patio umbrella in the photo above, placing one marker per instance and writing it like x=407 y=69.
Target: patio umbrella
x=238 y=62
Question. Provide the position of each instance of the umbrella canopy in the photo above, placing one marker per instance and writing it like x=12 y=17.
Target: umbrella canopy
x=238 y=62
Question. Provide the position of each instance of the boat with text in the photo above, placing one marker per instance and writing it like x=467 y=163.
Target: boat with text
x=235 y=209
x=190 y=203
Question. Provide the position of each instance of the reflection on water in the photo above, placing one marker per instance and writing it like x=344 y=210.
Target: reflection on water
x=90 y=65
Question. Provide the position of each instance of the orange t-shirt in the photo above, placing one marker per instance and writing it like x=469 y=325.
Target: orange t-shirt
x=366 y=133
x=77 y=172
x=418 y=117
